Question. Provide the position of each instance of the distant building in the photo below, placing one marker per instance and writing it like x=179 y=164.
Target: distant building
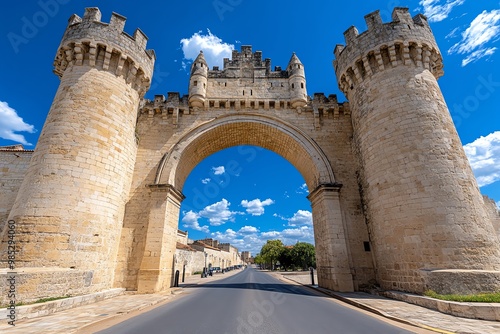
x=245 y=256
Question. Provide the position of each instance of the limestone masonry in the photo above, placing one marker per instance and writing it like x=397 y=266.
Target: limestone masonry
x=394 y=201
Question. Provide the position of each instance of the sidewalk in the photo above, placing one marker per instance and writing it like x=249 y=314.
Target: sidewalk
x=70 y=321
x=409 y=313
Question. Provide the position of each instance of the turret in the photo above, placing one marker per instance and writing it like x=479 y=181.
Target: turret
x=69 y=209
x=198 y=82
x=427 y=220
x=297 y=82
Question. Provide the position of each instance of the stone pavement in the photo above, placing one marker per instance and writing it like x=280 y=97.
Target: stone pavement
x=411 y=314
x=70 y=321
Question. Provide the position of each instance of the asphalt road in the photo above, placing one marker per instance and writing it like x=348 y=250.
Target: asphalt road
x=252 y=302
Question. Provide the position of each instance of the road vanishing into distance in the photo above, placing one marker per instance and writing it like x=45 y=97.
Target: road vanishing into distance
x=253 y=302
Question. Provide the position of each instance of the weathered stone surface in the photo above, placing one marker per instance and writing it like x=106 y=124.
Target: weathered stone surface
x=393 y=196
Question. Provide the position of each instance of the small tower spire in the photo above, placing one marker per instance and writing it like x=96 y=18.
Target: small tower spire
x=198 y=81
x=297 y=81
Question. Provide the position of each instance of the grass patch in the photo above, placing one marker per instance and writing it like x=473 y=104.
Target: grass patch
x=477 y=298
x=42 y=300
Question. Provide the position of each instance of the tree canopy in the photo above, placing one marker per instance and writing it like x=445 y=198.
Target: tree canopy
x=301 y=255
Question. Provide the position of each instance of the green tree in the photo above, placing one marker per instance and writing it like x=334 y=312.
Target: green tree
x=271 y=251
x=258 y=259
x=286 y=258
x=304 y=255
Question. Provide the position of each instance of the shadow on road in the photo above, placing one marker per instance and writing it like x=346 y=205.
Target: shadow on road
x=271 y=287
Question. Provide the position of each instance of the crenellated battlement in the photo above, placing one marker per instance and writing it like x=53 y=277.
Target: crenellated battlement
x=405 y=40
x=174 y=106
x=106 y=46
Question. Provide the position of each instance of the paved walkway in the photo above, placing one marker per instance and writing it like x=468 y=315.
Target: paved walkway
x=71 y=320
x=413 y=314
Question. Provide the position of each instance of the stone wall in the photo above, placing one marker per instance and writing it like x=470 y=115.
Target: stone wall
x=69 y=209
x=13 y=167
x=423 y=206
x=194 y=261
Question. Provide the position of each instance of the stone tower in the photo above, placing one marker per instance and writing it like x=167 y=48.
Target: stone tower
x=297 y=82
x=425 y=214
x=70 y=206
x=198 y=82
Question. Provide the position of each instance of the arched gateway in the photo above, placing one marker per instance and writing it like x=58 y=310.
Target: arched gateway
x=293 y=144
x=393 y=197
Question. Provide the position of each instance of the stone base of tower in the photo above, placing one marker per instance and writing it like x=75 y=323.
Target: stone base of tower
x=332 y=279
x=153 y=280
x=32 y=284
x=463 y=282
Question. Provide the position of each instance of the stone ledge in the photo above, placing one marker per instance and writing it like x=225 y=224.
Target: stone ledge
x=43 y=309
x=484 y=311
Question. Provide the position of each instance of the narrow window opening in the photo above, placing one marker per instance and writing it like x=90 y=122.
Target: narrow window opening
x=293 y=86
x=243 y=93
x=301 y=85
x=195 y=83
x=251 y=92
x=366 y=245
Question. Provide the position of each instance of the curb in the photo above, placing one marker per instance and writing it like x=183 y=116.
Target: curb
x=42 y=309
x=369 y=308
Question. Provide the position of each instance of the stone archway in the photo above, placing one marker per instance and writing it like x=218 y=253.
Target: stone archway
x=267 y=132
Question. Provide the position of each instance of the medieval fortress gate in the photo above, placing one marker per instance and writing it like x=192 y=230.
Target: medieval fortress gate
x=97 y=203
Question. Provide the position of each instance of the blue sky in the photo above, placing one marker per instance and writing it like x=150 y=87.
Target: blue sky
x=266 y=198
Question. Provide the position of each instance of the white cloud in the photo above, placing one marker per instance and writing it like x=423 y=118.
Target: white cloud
x=476 y=55
x=190 y=220
x=453 y=33
x=290 y=236
x=218 y=213
x=206 y=181
x=214 y=49
x=303 y=233
x=10 y=123
x=437 y=11
x=256 y=207
x=483 y=29
x=271 y=235
x=302 y=189
x=218 y=170
x=484 y=157
x=301 y=217
x=248 y=229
